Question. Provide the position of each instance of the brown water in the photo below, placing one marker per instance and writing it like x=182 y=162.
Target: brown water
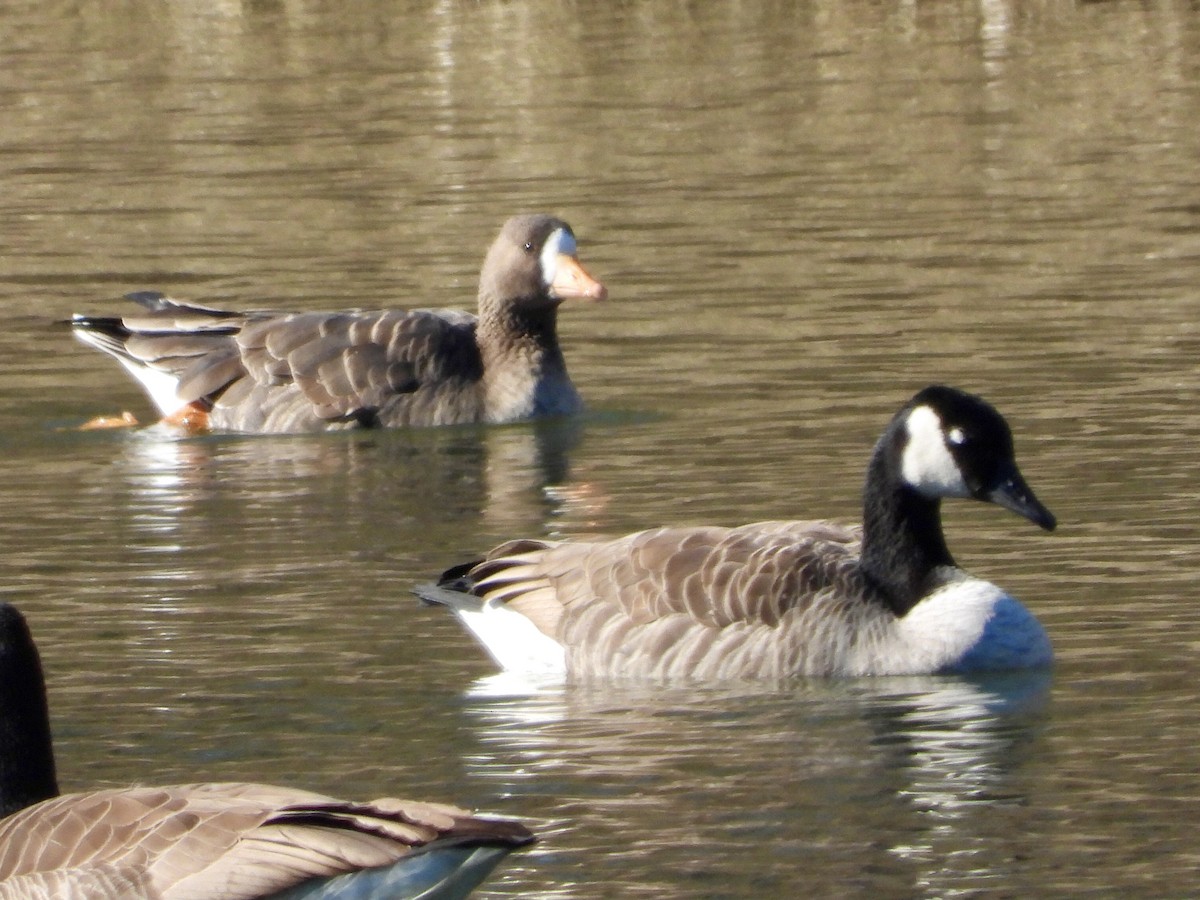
x=804 y=212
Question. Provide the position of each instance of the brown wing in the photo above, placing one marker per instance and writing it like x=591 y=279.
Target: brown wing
x=228 y=840
x=305 y=370
x=266 y=371
x=703 y=602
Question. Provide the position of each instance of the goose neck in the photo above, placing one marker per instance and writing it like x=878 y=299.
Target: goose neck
x=505 y=329
x=27 y=774
x=903 y=544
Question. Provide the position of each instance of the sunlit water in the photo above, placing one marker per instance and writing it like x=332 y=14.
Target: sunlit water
x=803 y=212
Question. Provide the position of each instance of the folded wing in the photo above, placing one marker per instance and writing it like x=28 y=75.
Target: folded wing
x=221 y=840
x=683 y=602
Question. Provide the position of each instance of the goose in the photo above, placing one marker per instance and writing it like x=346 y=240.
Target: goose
x=201 y=841
x=274 y=372
x=776 y=599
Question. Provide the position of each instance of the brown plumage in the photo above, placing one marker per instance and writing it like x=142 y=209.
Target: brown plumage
x=269 y=372
x=220 y=840
x=704 y=602
x=203 y=841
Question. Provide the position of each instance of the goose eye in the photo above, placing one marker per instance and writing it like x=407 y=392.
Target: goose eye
x=529 y=246
x=956 y=436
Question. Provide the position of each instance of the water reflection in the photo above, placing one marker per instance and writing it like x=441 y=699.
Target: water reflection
x=808 y=210
x=739 y=769
x=951 y=735
x=507 y=477
x=956 y=748
x=253 y=549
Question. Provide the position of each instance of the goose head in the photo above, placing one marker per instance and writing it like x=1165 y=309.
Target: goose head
x=533 y=265
x=943 y=443
x=954 y=444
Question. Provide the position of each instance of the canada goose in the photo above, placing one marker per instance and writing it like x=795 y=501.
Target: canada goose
x=776 y=599
x=272 y=372
x=212 y=840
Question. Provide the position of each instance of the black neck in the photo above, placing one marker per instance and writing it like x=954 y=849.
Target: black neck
x=902 y=533
x=26 y=752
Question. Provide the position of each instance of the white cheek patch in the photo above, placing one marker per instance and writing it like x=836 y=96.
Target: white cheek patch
x=560 y=241
x=927 y=464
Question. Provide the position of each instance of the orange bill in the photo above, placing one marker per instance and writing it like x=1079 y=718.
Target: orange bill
x=571 y=281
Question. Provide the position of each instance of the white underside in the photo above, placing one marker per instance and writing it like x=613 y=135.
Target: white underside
x=441 y=873
x=970 y=625
x=514 y=642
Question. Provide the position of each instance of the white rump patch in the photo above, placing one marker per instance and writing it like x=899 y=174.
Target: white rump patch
x=160 y=386
x=560 y=241
x=514 y=642
x=927 y=464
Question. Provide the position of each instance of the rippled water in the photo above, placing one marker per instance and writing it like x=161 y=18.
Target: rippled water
x=804 y=212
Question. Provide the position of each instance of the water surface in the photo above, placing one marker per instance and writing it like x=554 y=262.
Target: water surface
x=804 y=213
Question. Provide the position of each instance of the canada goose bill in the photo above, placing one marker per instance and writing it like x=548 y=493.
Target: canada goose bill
x=1014 y=494
x=224 y=840
x=777 y=599
x=208 y=369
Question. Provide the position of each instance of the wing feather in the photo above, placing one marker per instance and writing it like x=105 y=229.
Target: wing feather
x=227 y=840
x=702 y=601
x=264 y=371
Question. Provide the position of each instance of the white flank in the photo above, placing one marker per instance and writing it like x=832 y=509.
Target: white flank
x=927 y=464
x=514 y=642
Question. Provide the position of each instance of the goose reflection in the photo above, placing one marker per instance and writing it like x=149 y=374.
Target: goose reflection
x=503 y=476
x=955 y=750
x=783 y=787
x=274 y=545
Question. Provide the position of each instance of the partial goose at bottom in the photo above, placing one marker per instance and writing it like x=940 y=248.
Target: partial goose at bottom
x=225 y=841
x=777 y=599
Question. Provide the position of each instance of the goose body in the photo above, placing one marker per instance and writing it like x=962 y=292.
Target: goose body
x=776 y=599
x=273 y=372
x=202 y=841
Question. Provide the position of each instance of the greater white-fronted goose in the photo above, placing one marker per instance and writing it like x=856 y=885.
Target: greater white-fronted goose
x=777 y=599
x=203 y=841
x=272 y=372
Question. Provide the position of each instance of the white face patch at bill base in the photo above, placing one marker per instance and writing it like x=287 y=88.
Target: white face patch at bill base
x=927 y=464
x=560 y=241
